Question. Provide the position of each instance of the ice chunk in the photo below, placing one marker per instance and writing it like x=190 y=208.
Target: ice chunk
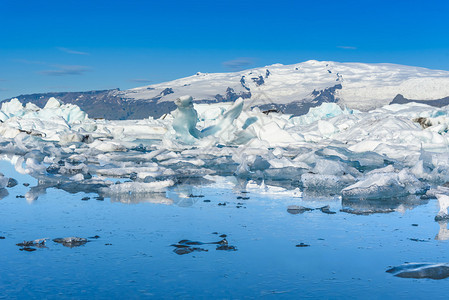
x=326 y=128
x=71 y=242
x=274 y=135
x=185 y=119
x=421 y=270
x=107 y=146
x=443 y=201
x=3 y=181
x=12 y=108
x=53 y=103
x=384 y=185
x=330 y=167
x=75 y=137
x=77 y=177
x=324 y=111
x=139 y=187
x=31 y=107
x=443 y=233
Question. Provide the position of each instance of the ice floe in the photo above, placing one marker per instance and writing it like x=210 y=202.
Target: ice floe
x=391 y=152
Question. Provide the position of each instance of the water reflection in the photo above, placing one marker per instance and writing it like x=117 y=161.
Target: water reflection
x=188 y=191
x=155 y=198
x=443 y=233
x=373 y=206
x=3 y=193
x=443 y=202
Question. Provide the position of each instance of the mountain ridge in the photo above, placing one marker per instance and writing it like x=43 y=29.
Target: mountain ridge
x=292 y=89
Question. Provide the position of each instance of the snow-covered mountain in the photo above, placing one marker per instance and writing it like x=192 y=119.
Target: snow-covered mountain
x=357 y=85
x=288 y=88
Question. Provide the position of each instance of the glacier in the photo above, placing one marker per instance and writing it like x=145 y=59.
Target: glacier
x=361 y=86
x=398 y=150
x=291 y=89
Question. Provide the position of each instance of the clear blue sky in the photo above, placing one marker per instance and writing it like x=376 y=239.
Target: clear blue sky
x=81 y=45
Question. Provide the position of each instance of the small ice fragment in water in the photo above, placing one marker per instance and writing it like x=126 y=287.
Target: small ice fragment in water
x=326 y=210
x=71 y=241
x=40 y=243
x=187 y=250
x=28 y=249
x=185 y=246
x=195 y=196
x=366 y=212
x=417 y=240
x=377 y=185
x=295 y=209
x=11 y=183
x=226 y=248
x=421 y=270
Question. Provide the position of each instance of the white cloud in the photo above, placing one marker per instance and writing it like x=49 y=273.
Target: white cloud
x=347 y=47
x=63 y=70
x=70 y=51
x=238 y=63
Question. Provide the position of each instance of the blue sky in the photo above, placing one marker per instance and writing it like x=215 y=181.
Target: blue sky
x=91 y=45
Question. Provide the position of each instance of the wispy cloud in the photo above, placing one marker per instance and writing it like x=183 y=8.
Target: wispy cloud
x=238 y=63
x=347 y=47
x=63 y=70
x=30 y=62
x=70 y=51
x=140 y=80
x=59 y=87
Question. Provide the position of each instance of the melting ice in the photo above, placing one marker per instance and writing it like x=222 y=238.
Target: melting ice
x=394 y=151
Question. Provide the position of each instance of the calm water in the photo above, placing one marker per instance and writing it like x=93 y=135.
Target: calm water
x=133 y=258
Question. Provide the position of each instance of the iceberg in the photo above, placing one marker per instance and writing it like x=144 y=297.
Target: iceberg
x=331 y=151
x=379 y=184
x=185 y=119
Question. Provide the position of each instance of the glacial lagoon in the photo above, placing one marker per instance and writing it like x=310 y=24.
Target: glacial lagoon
x=276 y=252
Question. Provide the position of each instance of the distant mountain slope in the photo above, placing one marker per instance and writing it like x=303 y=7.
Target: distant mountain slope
x=399 y=99
x=289 y=88
x=106 y=104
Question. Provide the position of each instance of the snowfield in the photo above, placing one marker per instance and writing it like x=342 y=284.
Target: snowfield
x=359 y=86
x=390 y=152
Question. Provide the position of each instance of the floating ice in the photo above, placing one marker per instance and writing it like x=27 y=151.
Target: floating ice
x=3 y=181
x=380 y=184
x=385 y=153
x=421 y=270
x=127 y=191
x=443 y=201
x=71 y=241
x=443 y=233
x=185 y=119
